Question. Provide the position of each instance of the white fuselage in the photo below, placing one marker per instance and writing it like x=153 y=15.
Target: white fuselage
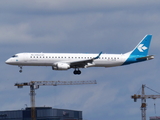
x=50 y=59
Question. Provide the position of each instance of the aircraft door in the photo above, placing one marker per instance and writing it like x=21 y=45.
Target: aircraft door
x=25 y=57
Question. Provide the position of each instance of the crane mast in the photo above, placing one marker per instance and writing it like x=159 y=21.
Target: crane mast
x=143 y=106
x=35 y=85
x=143 y=98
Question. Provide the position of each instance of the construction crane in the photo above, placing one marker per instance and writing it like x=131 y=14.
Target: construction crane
x=143 y=98
x=36 y=84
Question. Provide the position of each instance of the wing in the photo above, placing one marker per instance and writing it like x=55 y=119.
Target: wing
x=83 y=63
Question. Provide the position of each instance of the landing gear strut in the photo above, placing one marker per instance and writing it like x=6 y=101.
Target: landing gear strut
x=77 y=72
x=20 y=69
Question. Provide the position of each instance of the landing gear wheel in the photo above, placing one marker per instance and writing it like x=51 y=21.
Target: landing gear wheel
x=77 y=72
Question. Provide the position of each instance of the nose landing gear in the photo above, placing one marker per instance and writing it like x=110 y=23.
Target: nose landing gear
x=20 y=69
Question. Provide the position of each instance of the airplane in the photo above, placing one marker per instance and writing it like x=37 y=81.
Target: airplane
x=65 y=61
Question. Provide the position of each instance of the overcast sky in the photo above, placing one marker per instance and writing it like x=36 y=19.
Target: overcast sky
x=85 y=26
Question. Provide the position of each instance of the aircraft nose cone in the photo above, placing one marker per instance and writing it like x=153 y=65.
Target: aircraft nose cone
x=8 y=61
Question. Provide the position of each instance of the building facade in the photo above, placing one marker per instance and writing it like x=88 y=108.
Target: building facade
x=42 y=113
x=155 y=118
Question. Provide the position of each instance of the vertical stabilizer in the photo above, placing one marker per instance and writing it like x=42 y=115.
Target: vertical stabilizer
x=143 y=47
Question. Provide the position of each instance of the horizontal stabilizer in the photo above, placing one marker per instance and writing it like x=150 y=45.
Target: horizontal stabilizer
x=147 y=57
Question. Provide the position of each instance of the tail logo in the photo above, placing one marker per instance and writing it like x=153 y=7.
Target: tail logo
x=141 y=48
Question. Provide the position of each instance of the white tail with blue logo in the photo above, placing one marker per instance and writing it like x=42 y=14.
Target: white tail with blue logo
x=140 y=52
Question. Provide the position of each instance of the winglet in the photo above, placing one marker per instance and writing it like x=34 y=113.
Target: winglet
x=98 y=55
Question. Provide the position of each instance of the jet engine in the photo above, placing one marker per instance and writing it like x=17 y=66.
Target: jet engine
x=61 y=66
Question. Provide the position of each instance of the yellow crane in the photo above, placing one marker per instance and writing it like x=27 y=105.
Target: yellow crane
x=36 y=84
x=143 y=98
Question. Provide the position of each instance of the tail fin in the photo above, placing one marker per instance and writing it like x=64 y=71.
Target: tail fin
x=143 y=47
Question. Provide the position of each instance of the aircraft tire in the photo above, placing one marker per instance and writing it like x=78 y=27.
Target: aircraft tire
x=77 y=72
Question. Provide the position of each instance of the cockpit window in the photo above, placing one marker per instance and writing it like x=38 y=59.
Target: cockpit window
x=15 y=56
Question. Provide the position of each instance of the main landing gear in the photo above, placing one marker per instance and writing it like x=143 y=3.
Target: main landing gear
x=20 y=69
x=77 y=72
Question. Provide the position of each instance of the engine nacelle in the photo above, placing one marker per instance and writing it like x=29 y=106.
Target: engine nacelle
x=61 y=66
